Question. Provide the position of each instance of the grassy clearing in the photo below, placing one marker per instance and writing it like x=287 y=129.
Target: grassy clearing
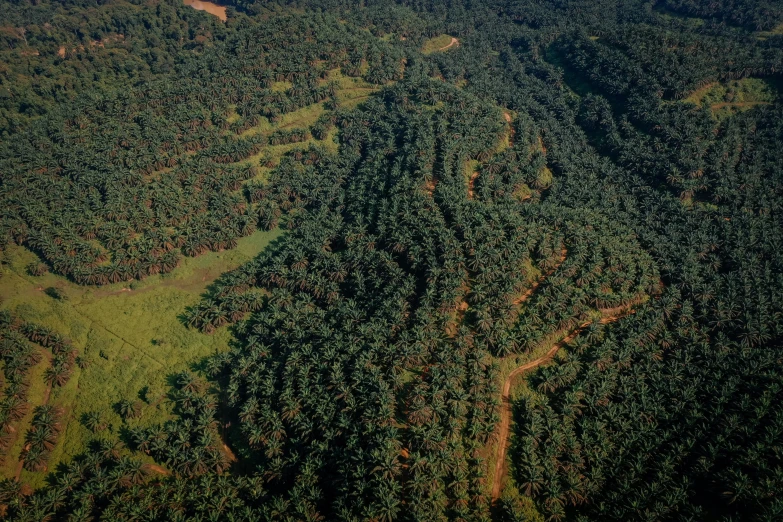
x=350 y=92
x=436 y=44
x=301 y=118
x=763 y=35
x=724 y=98
x=131 y=335
x=281 y=86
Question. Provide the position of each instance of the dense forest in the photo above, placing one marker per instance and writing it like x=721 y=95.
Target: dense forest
x=529 y=266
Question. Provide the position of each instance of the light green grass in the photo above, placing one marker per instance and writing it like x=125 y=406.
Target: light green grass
x=735 y=94
x=281 y=86
x=301 y=118
x=763 y=35
x=132 y=339
x=264 y=126
x=35 y=396
x=132 y=334
x=231 y=114
x=437 y=44
x=350 y=92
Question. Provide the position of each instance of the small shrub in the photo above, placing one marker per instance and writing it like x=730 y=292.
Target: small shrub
x=37 y=269
x=56 y=293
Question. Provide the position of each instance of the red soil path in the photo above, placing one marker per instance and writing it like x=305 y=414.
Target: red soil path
x=609 y=315
x=454 y=42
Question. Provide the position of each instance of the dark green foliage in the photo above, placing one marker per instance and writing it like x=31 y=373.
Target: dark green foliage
x=750 y=14
x=94 y=422
x=191 y=445
x=688 y=453
x=41 y=437
x=51 y=52
x=128 y=409
x=156 y=180
x=37 y=269
x=362 y=383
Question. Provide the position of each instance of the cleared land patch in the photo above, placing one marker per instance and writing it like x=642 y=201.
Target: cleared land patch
x=724 y=98
x=439 y=43
x=130 y=334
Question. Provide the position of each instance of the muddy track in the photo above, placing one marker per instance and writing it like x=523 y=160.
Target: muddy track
x=608 y=316
x=157 y=469
x=454 y=42
x=471 y=182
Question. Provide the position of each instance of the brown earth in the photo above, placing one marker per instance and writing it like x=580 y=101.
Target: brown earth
x=157 y=469
x=471 y=182
x=209 y=7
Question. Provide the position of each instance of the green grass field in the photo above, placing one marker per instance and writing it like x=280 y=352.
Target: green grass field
x=131 y=334
x=724 y=98
x=439 y=43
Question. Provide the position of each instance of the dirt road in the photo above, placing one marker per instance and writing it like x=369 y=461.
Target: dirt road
x=454 y=42
x=608 y=316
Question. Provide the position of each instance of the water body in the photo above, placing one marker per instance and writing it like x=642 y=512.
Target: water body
x=213 y=9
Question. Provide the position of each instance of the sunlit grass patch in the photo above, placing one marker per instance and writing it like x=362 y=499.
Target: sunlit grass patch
x=743 y=93
x=763 y=35
x=438 y=43
x=301 y=118
x=281 y=86
x=131 y=335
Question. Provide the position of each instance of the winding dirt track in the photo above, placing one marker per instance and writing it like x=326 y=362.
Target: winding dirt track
x=454 y=42
x=608 y=316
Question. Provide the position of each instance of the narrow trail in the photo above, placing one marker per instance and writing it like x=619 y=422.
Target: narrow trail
x=609 y=315
x=157 y=469
x=454 y=42
x=471 y=182
x=21 y=462
x=507 y=117
x=429 y=186
x=229 y=454
x=48 y=391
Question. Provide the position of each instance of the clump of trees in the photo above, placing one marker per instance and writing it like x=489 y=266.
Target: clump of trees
x=157 y=171
x=41 y=437
x=191 y=445
x=440 y=238
x=21 y=346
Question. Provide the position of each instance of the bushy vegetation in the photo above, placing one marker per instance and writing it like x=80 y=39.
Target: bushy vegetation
x=603 y=177
x=158 y=177
x=21 y=345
